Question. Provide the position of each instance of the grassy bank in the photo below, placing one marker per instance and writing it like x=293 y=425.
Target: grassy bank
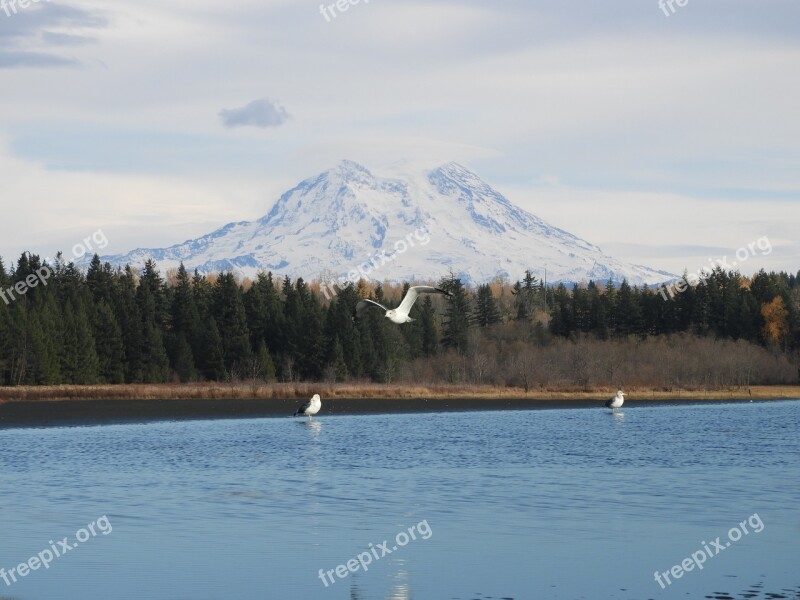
x=243 y=391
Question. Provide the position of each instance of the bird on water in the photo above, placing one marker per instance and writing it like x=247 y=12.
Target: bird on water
x=309 y=407
x=616 y=402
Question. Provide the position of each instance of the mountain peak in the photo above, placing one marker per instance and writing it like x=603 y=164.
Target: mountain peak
x=351 y=170
x=455 y=169
x=415 y=225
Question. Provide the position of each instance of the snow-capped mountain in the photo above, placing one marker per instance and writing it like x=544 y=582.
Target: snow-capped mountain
x=410 y=225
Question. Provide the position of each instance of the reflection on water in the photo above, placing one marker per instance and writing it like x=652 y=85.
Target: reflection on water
x=399 y=587
x=315 y=426
x=523 y=504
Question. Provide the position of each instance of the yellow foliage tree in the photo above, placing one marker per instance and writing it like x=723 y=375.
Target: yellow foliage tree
x=775 y=320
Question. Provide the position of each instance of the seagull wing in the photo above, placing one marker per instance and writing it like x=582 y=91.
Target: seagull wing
x=412 y=295
x=303 y=408
x=367 y=303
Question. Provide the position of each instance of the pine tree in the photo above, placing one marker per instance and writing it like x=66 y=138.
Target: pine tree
x=627 y=311
x=562 y=322
x=151 y=302
x=110 y=348
x=339 y=365
x=598 y=311
x=130 y=320
x=183 y=338
x=530 y=287
x=430 y=333
x=265 y=363
x=581 y=309
x=182 y=358
x=230 y=316
x=184 y=314
x=100 y=281
x=42 y=368
x=456 y=325
x=211 y=360
x=310 y=345
x=206 y=344
x=520 y=303
x=265 y=319
x=79 y=362
x=486 y=312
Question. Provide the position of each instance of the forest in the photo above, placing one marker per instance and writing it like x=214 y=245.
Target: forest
x=119 y=326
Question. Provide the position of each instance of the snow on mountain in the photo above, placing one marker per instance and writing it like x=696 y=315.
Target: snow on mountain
x=411 y=225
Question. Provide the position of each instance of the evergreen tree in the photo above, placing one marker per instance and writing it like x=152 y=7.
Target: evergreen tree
x=562 y=322
x=130 y=321
x=339 y=364
x=456 y=326
x=581 y=313
x=520 y=303
x=79 y=361
x=265 y=363
x=100 y=281
x=108 y=342
x=486 y=312
x=212 y=363
x=265 y=318
x=150 y=300
x=430 y=334
x=183 y=338
x=182 y=358
x=310 y=345
x=598 y=306
x=231 y=320
x=627 y=312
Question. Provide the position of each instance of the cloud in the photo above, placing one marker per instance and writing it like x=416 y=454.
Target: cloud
x=54 y=38
x=259 y=113
x=18 y=60
x=26 y=38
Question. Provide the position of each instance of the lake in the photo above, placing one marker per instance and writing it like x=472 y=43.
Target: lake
x=536 y=504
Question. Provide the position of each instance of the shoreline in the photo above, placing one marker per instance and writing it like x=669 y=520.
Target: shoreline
x=161 y=392
x=77 y=405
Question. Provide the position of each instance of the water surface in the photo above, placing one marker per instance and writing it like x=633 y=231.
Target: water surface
x=519 y=504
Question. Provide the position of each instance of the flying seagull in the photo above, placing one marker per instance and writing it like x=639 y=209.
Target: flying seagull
x=615 y=402
x=310 y=407
x=400 y=314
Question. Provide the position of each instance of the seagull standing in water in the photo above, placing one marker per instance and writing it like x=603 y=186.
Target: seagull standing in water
x=399 y=315
x=310 y=407
x=616 y=402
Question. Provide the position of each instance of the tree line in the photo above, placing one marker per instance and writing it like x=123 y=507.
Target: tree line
x=119 y=325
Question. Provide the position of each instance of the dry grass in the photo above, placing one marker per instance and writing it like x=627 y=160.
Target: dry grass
x=200 y=391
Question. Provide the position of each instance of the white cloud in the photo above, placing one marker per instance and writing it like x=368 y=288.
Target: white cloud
x=258 y=113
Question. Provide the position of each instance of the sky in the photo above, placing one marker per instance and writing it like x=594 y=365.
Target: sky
x=667 y=136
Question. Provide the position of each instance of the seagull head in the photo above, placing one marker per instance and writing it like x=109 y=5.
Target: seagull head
x=620 y=393
x=391 y=314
